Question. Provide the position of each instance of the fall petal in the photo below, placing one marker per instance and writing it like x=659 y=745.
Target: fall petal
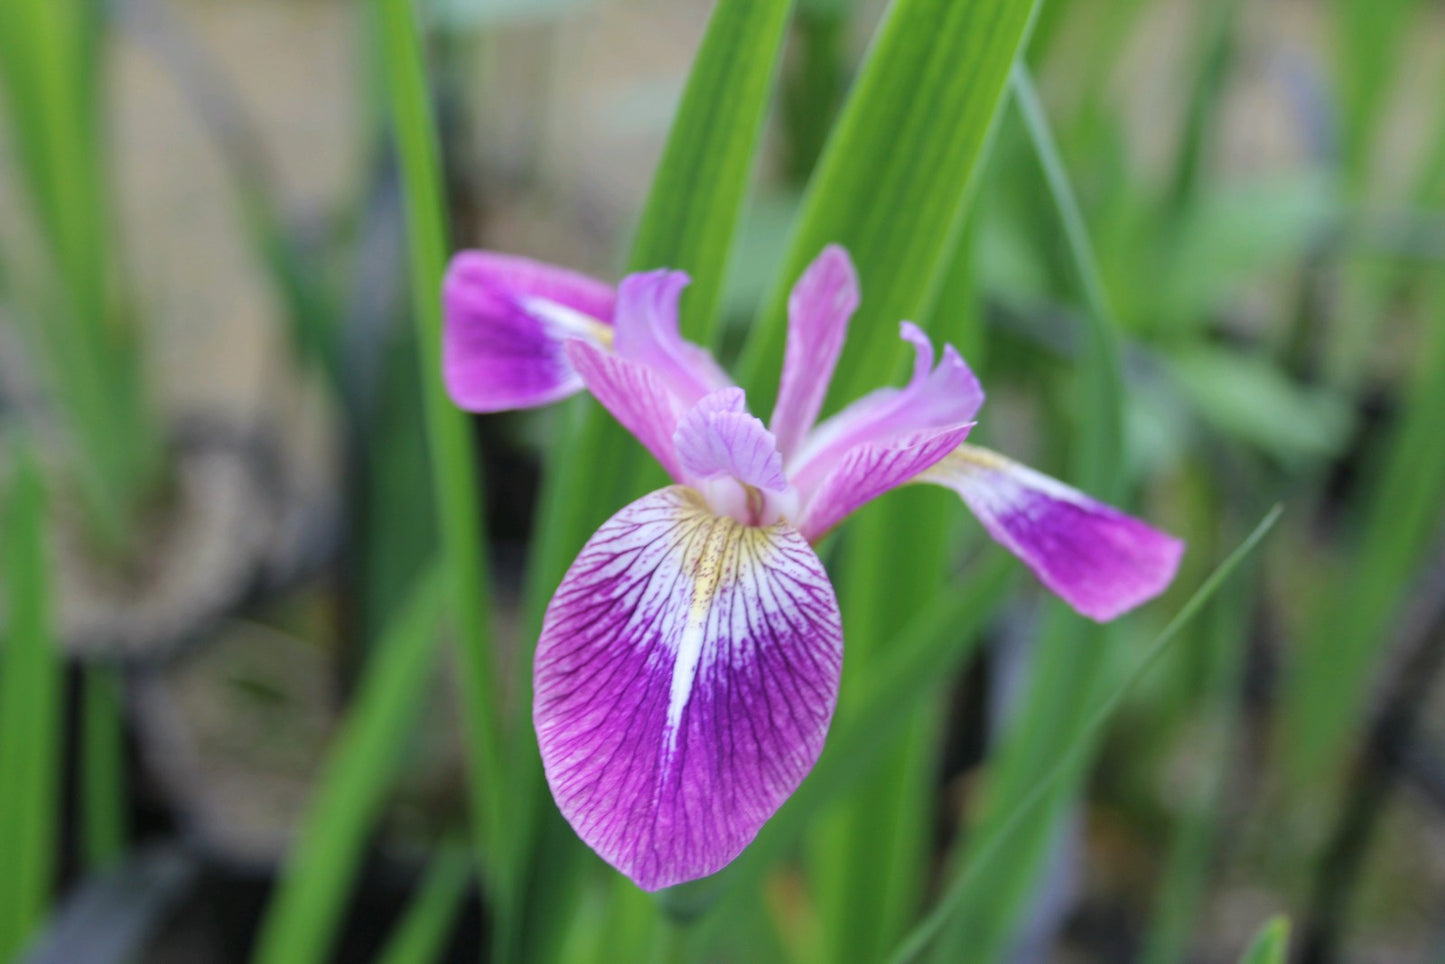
x=685 y=679
x=1098 y=559
x=505 y=322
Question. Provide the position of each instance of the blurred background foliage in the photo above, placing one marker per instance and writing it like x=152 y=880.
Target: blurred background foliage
x=267 y=601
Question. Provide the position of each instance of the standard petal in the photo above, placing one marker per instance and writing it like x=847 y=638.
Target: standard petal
x=685 y=679
x=717 y=438
x=506 y=319
x=945 y=397
x=647 y=333
x=1099 y=560
x=635 y=396
x=819 y=307
x=868 y=471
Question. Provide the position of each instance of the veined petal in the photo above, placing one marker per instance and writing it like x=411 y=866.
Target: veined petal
x=506 y=319
x=636 y=396
x=647 y=333
x=945 y=397
x=685 y=679
x=1099 y=560
x=717 y=438
x=819 y=307
x=868 y=471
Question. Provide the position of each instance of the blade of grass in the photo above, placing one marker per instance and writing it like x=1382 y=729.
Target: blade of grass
x=103 y=798
x=1270 y=945
x=1070 y=656
x=1072 y=754
x=696 y=200
x=895 y=176
x=50 y=55
x=454 y=466
x=301 y=921
x=1326 y=691
x=1192 y=850
x=422 y=933
x=30 y=714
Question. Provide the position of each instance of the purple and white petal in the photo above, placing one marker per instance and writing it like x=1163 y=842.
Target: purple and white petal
x=505 y=321
x=647 y=333
x=635 y=396
x=717 y=439
x=1098 y=559
x=868 y=471
x=945 y=397
x=819 y=307
x=687 y=673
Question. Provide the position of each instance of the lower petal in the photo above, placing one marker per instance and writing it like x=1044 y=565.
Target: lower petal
x=685 y=678
x=1098 y=559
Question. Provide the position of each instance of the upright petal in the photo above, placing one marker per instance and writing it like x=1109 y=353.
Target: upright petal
x=1101 y=561
x=942 y=398
x=685 y=679
x=506 y=319
x=636 y=396
x=717 y=438
x=868 y=471
x=819 y=307
x=647 y=333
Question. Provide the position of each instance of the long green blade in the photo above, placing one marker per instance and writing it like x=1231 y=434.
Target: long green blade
x=895 y=174
x=454 y=464
x=1270 y=945
x=984 y=855
x=421 y=934
x=1071 y=655
x=30 y=720
x=301 y=922
x=697 y=195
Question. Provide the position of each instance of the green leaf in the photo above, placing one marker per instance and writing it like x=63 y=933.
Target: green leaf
x=1270 y=945
x=1071 y=655
x=1251 y=399
x=1326 y=691
x=303 y=916
x=421 y=935
x=1072 y=752
x=31 y=736
x=894 y=177
x=696 y=201
x=103 y=796
x=454 y=465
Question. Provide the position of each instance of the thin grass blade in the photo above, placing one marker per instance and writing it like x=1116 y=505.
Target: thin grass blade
x=455 y=473
x=1072 y=753
x=31 y=737
x=303 y=916
x=421 y=935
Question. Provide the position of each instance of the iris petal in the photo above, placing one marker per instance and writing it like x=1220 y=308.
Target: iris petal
x=636 y=396
x=506 y=320
x=685 y=679
x=1098 y=559
x=819 y=307
x=647 y=333
x=717 y=438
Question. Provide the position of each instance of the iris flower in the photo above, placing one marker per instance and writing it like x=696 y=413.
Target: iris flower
x=689 y=662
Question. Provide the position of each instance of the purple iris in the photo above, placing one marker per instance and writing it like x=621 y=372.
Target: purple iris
x=689 y=662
